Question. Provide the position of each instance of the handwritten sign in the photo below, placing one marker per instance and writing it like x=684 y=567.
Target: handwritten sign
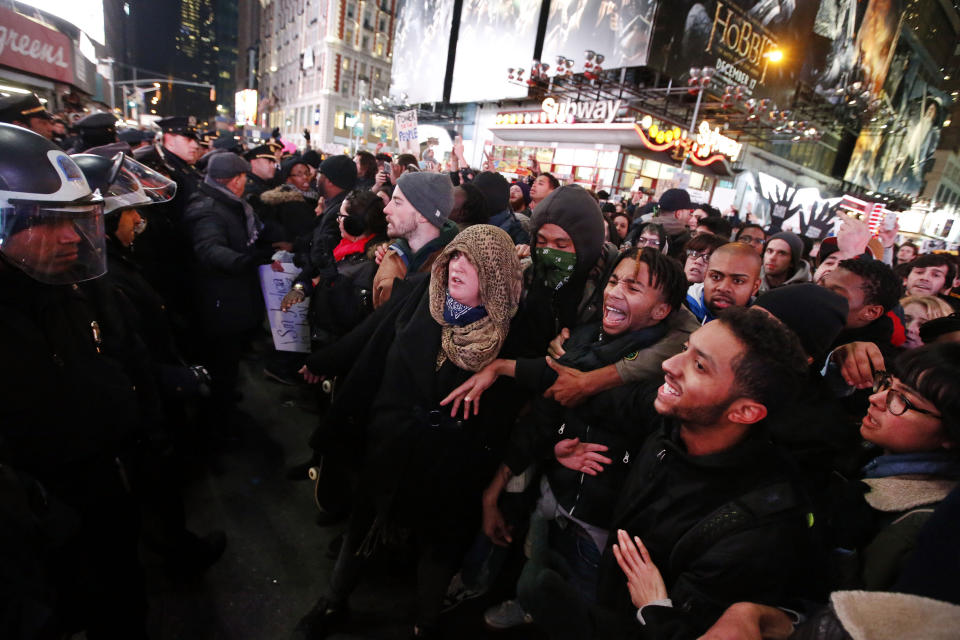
x=407 y=136
x=290 y=330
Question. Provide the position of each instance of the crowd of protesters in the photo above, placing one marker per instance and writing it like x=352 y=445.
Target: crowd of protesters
x=678 y=423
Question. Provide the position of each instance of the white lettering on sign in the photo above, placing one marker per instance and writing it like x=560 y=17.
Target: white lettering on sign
x=31 y=47
x=711 y=140
x=569 y=111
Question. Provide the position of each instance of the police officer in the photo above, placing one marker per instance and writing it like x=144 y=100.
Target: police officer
x=95 y=130
x=164 y=249
x=28 y=112
x=262 y=176
x=68 y=413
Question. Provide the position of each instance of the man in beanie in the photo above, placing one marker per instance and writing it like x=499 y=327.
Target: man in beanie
x=224 y=231
x=496 y=190
x=417 y=222
x=783 y=261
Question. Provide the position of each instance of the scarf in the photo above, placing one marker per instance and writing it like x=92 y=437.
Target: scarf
x=253 y=223
x=474 y=345
x=552 y=267
x=933 y=463
x=349 y=247
x=459 y=314
x=590 y=348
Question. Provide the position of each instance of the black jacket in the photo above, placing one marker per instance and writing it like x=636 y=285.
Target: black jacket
x=721 y=528
x=164 y=248
x=228 y=288
x=315 y=256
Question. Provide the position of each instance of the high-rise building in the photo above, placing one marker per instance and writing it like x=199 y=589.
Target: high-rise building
x=318 y=58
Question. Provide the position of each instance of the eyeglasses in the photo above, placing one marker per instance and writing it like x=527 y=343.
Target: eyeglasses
x=896 y=403
x=698 y=255
x=749 y=240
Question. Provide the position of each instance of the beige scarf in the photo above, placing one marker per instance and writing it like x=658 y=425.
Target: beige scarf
x=491 y=251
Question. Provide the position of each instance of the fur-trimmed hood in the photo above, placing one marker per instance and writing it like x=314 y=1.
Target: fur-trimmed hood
x=283 y=194
x=877 y=615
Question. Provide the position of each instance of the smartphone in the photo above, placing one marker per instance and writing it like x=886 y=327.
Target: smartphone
x=388 y=168
x=890 y=221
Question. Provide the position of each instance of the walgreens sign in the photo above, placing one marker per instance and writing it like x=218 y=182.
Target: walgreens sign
x=29 y=46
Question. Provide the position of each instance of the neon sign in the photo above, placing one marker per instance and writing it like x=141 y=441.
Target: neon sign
x=706 y=147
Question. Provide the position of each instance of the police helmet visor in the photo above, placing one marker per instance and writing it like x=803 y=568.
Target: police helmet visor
x=137 y=185
x=54 y=244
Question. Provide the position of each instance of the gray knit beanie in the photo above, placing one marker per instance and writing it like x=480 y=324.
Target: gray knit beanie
x=431 y=194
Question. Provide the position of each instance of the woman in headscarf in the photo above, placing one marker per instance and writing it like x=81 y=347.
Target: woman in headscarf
x=423 y=471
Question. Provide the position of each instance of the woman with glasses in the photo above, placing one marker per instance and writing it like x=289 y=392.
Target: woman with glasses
x=698 y=252
x=649 y=235
x=914 y=419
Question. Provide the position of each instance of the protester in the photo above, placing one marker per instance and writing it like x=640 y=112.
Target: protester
x=907 y=252
x=753 y=235
x=783 y=261
x=732 y=279
x=496 y=191
x=919 y=310
x=469 y=206
x=520 y=198
x=930 y=275
x=288 y=211
x=417 y=221
x=698 y=252
x=673 y=213
x=542 y=186
x=418 y=458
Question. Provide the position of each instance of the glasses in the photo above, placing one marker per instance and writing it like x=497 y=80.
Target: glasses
x=698 y=255
x=896 y=403
x=649 y=242
x=748 y=240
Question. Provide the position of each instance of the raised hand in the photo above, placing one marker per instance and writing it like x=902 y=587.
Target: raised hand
x=782 y=208
x=581 y=456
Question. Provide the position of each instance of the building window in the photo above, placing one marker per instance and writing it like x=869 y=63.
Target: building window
x=366 y=43
x=346 y=63
x=351 y=11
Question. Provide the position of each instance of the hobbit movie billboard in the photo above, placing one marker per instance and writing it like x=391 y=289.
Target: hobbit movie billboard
x=823 y=43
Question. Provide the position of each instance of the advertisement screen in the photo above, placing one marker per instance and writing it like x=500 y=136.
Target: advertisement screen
x=898 y=157
x=421 y=42
x=86 y=15
x=495 y=35
x=737 y=37
x=620 y=31
x=246 y=107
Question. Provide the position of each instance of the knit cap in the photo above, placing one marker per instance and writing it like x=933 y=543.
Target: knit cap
x=431 y=194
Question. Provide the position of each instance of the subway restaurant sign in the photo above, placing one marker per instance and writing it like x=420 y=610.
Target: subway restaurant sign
x=706 y=146
x=553 y=111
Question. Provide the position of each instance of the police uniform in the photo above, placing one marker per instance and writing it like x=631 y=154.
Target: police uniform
x=95 y=130
x=20 y=108
x=164 y=249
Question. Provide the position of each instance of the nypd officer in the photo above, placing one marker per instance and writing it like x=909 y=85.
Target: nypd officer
x=164 y=249
x=27 y=111
x=69 y=416
x=95 y=130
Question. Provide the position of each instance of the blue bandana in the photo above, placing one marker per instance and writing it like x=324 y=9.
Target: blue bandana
x=459 y=314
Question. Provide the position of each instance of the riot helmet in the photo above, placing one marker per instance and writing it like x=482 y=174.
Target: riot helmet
x=123 y=182
x=51 y=223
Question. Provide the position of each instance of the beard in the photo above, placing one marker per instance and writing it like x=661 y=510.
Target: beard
x=701 y=415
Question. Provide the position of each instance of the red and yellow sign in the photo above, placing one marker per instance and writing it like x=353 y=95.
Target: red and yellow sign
x=706 y=147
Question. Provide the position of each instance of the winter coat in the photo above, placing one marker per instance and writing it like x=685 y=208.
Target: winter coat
x=648 y=363
x=339 y=305
x=229 y=300
x=287 y=213
x=399 y=259
x=509 y=222
x=721 y=528
x=313 y=252
x=165 y=249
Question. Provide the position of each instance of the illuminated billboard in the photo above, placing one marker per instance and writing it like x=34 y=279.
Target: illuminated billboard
x=494 y=36
x=86 y=15
x=421 y=42
x=620 y=31
x=245 y=109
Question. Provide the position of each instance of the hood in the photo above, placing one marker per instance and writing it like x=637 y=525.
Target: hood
x=281 y=195
x=575 y=211
x=802 y=274
x=872 y=615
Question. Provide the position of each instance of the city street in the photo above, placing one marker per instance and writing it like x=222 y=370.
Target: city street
x=276 y=562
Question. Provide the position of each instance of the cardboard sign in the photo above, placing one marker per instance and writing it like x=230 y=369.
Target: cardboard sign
x=407 y=136
x=290 y=330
